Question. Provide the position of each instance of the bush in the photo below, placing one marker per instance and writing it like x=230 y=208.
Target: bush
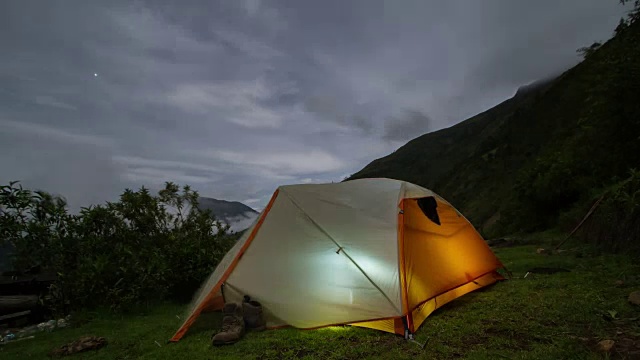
x=615 y=224
x=141 y=249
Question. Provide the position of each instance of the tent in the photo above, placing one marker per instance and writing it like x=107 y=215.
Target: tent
x=376 y=253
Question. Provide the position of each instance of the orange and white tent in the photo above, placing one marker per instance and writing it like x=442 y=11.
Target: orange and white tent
x=376 y=253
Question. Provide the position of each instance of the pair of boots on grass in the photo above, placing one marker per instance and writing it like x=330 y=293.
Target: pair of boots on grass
x=237 y=318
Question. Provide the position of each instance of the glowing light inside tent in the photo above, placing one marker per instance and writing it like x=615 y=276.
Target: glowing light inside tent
x=335 y=328
x=345 y=282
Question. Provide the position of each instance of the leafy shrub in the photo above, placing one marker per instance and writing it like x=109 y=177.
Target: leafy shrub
x=141 y=249
x=615 y=224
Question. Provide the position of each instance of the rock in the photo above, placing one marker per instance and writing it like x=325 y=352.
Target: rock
x=605 y=345
x=634 y=298
x=542 y=251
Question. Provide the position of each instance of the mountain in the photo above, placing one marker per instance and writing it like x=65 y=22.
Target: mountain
x=238 y=215
x=536 y=160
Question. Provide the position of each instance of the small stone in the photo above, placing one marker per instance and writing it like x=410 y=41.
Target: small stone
x=605 y=345
x=542 y=251
x=634 y=298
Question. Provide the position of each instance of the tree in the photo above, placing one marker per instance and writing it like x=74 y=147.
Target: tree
x=590 y=50
x=634 y=14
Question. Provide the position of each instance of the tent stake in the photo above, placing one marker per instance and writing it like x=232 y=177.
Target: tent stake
x=421 y=345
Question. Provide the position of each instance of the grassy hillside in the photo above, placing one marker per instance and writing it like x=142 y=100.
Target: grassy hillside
x=539 y=159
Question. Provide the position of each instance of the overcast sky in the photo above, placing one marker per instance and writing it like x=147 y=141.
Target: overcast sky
x=238 y=97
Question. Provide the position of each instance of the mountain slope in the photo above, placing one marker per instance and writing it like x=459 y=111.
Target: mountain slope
x=238 y=215
x=429 y=158
x=536 y=157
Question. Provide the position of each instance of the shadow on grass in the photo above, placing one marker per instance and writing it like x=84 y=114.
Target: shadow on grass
x=209 y=323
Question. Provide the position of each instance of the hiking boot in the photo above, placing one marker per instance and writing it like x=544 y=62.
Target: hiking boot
x=232 y=325
x=253 y=317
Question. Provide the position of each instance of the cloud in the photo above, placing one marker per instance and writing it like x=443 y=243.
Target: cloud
x=148 y=29
x=236 y=102
x=328 y=108
x=284 y=163
x=410 y=125
x=250 y=201
x=241 y=222
x=37 y=132
x=157 y=177
x=82 y=173
x=268 y=17
x=135 y=161
x=239 y=97
x=51 y=101
x=246 y=44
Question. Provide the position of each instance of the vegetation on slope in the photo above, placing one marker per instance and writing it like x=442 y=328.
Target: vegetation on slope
x=540 y=159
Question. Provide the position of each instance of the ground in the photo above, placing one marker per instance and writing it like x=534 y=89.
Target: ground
x=540 y=316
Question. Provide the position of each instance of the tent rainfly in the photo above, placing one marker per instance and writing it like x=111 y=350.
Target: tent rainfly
x=376 y=253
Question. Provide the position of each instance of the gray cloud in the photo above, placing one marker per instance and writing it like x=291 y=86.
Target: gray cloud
x=238 y=97
x=77 y=167
x=328 y=108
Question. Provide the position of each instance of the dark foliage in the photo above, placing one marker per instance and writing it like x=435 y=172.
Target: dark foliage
x=141 y=249
x=615 y=225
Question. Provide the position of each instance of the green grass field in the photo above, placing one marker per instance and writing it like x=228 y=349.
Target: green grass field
x=559 y=316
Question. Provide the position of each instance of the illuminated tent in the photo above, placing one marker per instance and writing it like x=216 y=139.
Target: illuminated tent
x=375 y=253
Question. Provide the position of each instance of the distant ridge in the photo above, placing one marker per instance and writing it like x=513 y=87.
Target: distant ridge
x=238 y=215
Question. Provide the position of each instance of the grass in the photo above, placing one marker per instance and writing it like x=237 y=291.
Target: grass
x=559 y=316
